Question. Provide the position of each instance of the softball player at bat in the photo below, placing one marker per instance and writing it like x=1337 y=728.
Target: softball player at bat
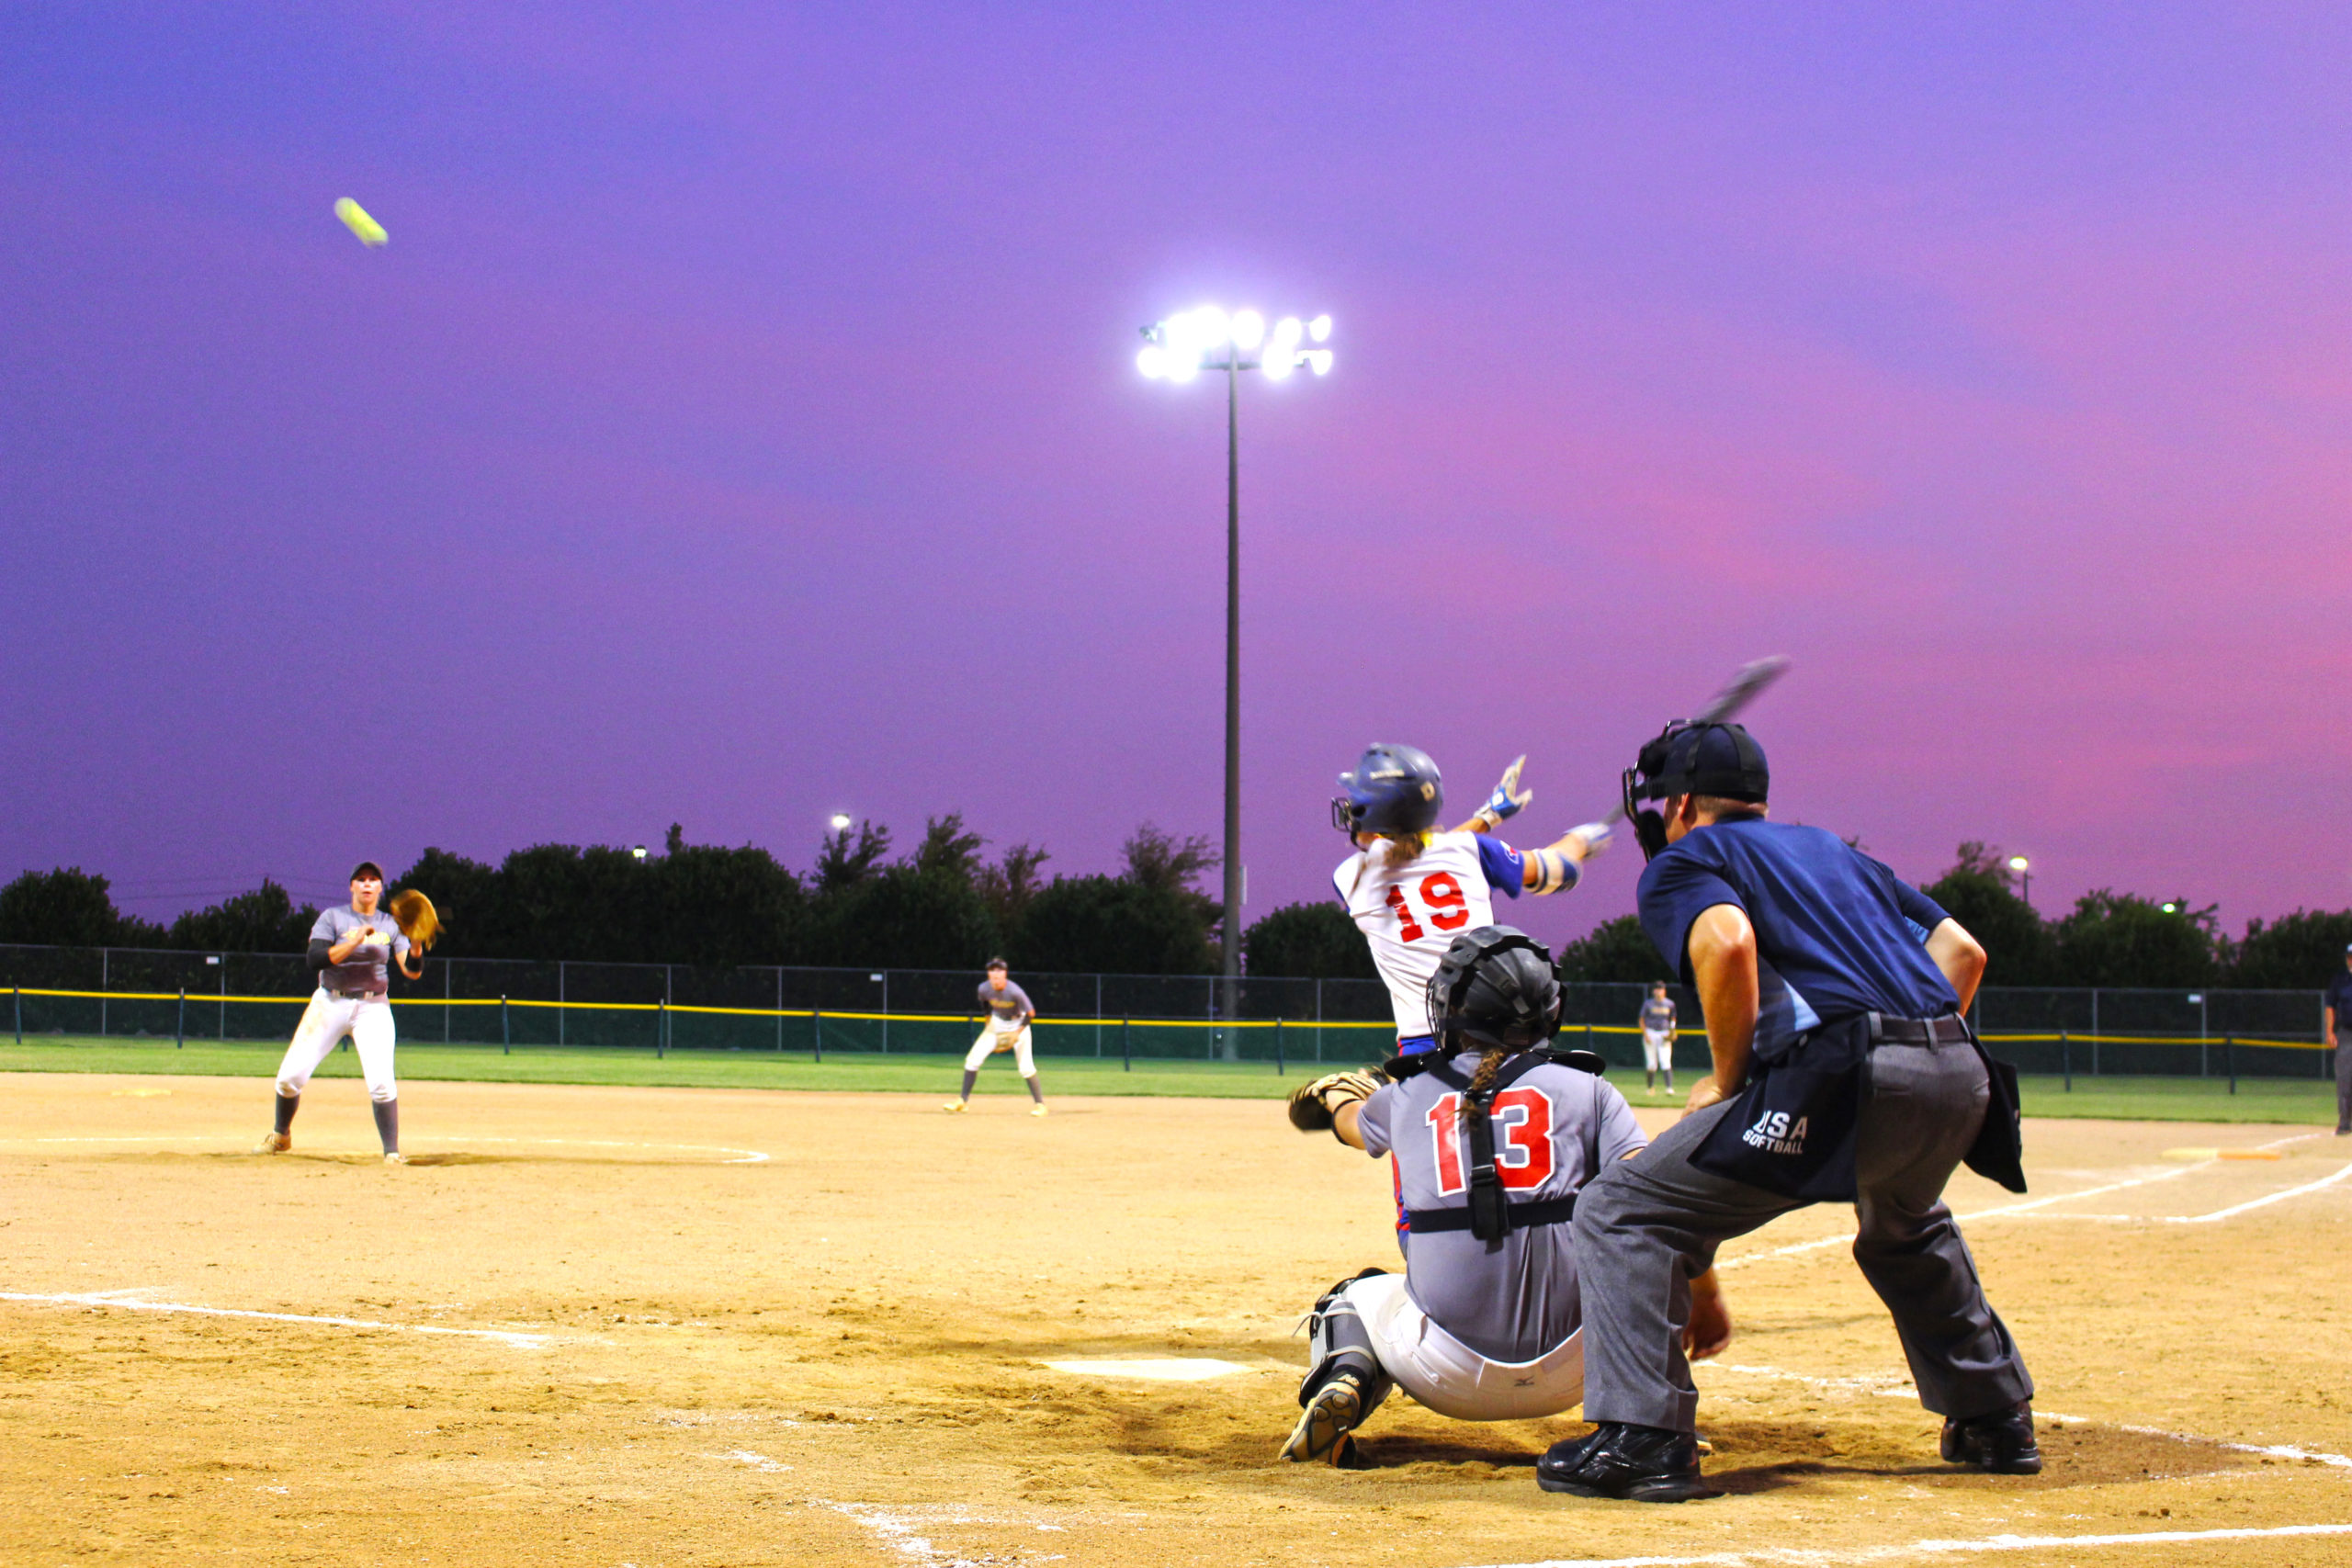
x=1410 y=889
x=1494 y=1134
x=1010 y=1015
x=349 y=947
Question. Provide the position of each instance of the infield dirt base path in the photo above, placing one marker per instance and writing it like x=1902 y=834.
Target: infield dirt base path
x=595 y=1325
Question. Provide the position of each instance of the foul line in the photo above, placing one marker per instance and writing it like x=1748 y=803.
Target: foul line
x=2028 y=1206
x=509 y=1337
x=1811 y=1557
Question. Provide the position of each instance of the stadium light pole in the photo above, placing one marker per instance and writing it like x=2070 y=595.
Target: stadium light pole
x=1177 y=349
x=2024 y=868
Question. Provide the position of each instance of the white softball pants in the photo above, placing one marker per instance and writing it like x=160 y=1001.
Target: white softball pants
x=1449 y=1377
x=1657 y=1052
x=990 y=1038
x=324 y=1023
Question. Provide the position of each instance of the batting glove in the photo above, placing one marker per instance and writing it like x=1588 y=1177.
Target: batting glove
x=1596 y=837
x=1508 y=797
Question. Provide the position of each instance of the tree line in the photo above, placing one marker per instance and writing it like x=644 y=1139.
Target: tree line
x=940 y=904
x=943 y=904
x=2107 y=938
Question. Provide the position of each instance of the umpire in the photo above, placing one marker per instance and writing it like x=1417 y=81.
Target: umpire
x=1844 y=1072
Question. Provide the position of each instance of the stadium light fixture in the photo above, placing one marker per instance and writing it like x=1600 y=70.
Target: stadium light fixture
x=2024 y=868
x=636 y=850
x=840 y=822
x=1177 y=349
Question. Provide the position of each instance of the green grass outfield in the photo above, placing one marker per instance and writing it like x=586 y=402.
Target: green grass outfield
x=2301 y=1101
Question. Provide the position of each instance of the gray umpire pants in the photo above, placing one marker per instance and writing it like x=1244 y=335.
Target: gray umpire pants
x=1646 y=1227
x=2343 y=1085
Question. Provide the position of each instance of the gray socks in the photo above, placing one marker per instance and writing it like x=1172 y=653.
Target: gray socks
x=388 y=1122
x=1033 y=1092
x=970 y=1078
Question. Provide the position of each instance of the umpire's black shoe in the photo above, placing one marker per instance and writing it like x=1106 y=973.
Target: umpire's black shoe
x=1637 y=1465
x=2002 y=1443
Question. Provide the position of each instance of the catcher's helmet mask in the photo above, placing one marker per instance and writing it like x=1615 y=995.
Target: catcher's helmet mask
x=1692 y=759
x=1496 y=985
x=1395 y=789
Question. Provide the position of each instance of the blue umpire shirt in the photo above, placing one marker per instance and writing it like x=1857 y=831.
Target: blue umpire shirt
x=1837 y=934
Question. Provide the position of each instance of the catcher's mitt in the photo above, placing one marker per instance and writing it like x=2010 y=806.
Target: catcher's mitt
x=419 y=921
x=1313 y=1105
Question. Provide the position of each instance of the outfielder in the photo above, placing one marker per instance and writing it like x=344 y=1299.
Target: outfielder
x=1845 y=1071
x=1410 y=889
x=349 y=948
x=1493 y=1135
x=1657 y=1037
x=1010 y=1015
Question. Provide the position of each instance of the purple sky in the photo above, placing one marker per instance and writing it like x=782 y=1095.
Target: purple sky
x=742 y=425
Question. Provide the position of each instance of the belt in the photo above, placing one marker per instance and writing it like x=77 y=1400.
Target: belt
x=1949 y=1030
x=355 y=995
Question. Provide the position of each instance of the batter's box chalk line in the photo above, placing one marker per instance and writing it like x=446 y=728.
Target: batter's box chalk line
x=895 y=1527
x=1809 y=1557
x=1889 y=1387
x=131 y=1300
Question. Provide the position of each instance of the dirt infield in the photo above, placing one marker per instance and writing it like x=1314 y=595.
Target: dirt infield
x=679 y=1326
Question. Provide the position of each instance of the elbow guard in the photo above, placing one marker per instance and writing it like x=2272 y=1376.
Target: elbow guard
x=317 y=956
x=1555 y=872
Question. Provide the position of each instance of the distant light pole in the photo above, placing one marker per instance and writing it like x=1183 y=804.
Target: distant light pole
x=841 y=823
x=2024 y=869
x=1178 y=349
x=636 y=852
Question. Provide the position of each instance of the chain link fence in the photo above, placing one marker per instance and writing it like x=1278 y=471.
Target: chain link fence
x=526 y=1004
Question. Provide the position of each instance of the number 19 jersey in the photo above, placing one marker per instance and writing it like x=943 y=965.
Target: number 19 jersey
x=1410 y=909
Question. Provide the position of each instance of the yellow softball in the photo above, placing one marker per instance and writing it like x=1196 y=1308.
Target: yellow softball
x=354 y=218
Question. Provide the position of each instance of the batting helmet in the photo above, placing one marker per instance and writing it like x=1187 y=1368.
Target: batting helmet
x=1395 y=789
x=1496 y=985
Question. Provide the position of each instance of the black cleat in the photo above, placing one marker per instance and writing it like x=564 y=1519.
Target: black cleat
x=1326 y=1428
x=2001 y=1443
x=1635 y=1464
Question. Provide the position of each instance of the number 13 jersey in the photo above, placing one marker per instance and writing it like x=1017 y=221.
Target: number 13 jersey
x=1410 y=909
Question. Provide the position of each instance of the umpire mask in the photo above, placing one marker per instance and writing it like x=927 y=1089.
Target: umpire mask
x=1691 y=759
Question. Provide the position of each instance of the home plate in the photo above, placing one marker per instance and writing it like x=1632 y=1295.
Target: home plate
x=1167 y=1368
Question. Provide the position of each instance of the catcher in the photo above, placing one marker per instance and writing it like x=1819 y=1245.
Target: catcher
x=1494 y=1132
x=1010 y=1015
x=349 y=947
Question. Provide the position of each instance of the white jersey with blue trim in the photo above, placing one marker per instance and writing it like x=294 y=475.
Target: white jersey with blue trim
x=1410 y=909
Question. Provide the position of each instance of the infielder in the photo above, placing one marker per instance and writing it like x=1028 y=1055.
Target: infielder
x=1493 y=1134
x=349 y=948
x=1657 y=1037
x=1845 y=1071
x=1010 y=1015
x=1411 y=890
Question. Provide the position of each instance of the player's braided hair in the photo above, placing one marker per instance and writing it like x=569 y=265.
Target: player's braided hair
x=1483 y=1079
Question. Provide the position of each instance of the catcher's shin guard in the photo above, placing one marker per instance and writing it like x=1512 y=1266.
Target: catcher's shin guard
x=1338 y=1342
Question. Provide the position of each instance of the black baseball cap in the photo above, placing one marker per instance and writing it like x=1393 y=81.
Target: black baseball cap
x=367 y=868
x=1703 y=759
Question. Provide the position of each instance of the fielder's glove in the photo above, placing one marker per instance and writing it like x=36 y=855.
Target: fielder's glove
x=1005 y=1041
x=418 y=920
x=1508 y=797
x=1314 y=1105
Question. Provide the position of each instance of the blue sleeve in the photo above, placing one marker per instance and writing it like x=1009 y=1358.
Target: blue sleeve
x=1923 y=912
x=1676 y=889
x=1505 y=867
